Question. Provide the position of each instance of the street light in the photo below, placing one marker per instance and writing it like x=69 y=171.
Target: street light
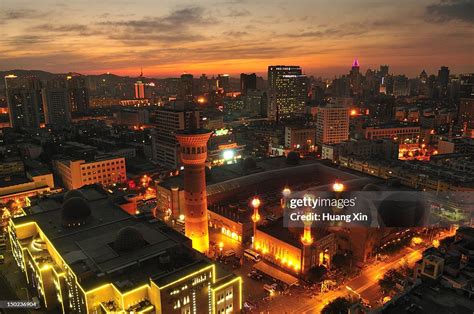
x=255 y=202
x=286 y=192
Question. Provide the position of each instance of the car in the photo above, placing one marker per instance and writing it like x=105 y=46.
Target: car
x=229 y=253
x=250 y=305
x=2 y=259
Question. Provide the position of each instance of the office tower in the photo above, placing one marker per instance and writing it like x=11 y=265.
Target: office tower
x=443 y=80
x=355 y=78
x=223 y=82
x=247 y=82
x=186 y=88
x=139 y=90
x=332 y=124
x=466 y=85
x=287 y=91
x=204 y=85
x=56 y=106
x=383 y=72
x=24 y=101
x=193 y=152
x=78 y=93
x=466 y=103
x=164 y=143
x=400 y=86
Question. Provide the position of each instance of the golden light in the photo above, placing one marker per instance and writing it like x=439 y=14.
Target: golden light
x=286 y=191
x=416 y=240
x=435 y=152
x=201 y=100
x=221 y=245
x=353 y=112
x=255 y=202
x=386 y=299
x=436 y=243
x=338 y=187
x=181 y=217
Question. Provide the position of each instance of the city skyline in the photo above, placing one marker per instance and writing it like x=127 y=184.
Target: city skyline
x=167 y=39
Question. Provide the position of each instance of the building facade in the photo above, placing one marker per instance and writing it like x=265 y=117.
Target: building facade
x=77 y=173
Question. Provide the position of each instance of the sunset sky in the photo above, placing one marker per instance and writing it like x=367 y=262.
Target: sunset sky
x=169 y=37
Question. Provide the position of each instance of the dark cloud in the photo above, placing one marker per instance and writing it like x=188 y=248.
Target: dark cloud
x=176 y=27
x=24 y=40
x=177 y=19
x=448 y=10
x=18 y=14
x=347 y=29
x=238 y=13
x=235 y=33
x=79 y=29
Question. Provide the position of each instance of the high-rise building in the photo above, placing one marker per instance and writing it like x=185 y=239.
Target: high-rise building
x=78 y=93
x=287 y=91
x=400 y=86
x=355 y=78
x=332 y=125
x=247 y=82
x=443 y=80
x=164 y=143
x=139 y=90
x=56 y=106
x=466 y=102
x=186 y=87
x=223 y=82
x=193 y=152
x=24 y=101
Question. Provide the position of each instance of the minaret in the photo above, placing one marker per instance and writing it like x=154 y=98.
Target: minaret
x=255 y=218
x=307 y=241
x=193 y=151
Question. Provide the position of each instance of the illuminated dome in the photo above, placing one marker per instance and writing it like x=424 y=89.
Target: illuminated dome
x=75 y=211
x=371 y=187
x=73 y=193
x=129 y=238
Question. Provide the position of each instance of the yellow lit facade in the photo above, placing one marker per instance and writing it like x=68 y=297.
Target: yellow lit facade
x=58 y=287
x=300 y=254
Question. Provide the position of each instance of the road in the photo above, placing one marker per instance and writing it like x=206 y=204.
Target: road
x=365 y=285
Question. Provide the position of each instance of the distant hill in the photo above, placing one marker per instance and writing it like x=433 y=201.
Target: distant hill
x=42 y=75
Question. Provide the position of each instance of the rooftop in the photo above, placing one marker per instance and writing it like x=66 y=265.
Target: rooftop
x=90 y=251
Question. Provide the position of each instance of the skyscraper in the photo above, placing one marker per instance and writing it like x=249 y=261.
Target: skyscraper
x=56 y=104
x=443 y=80
x=355 y=78
x=247 y=82
x=186 y=87
x=332 y=124
x=287 y=91
x=193 y=151
x=24 y=101
x=78 y=93
x=223 y=82
x=139 y=90
x=164 y=143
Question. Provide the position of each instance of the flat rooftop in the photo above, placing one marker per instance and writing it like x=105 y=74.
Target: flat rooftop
x=91 y=252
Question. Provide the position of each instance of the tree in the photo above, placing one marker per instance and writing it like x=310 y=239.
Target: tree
x=337 y=306
x=317 y=273
x=340 y=260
